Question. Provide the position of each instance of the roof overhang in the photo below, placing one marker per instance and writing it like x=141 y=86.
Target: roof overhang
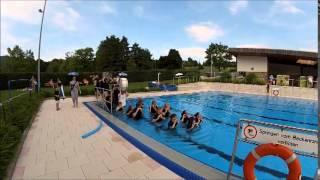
x=276 y=53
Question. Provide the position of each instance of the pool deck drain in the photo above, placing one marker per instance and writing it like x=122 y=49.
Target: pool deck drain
x=54 y=149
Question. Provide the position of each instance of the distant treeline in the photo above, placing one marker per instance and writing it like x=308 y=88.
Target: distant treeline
x=113 y=54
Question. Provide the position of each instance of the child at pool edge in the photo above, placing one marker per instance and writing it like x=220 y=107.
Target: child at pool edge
x=172 y=124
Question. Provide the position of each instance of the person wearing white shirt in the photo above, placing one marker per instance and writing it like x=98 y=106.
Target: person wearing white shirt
x=122 y=101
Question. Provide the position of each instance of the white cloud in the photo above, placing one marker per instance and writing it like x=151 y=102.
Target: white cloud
x=66 y=19
x=22 y=11
x=58 y=53
x=236 y=6
x=107 y=9
x=138 y=11
x=8 y=39
x=204 y=32
x=197 y=53
x=277 y=15
x=286 y=6
x=253 y=46
x=58 y=13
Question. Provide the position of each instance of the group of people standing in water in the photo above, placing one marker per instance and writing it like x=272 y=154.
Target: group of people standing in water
x=160 y=114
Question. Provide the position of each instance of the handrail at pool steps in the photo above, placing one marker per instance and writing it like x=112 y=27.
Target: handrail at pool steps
x=101 y=98
x=243 y=130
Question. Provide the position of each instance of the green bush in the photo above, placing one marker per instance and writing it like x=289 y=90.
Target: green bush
x=13 y=122
x=252 y=78
x=9 y=138
x=133 y=76
x=225 y=76
x=238 y=81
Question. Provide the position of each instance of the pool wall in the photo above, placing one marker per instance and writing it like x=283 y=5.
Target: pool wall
x=176 y=162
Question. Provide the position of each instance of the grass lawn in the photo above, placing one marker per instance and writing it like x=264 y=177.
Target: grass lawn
x=14 y=119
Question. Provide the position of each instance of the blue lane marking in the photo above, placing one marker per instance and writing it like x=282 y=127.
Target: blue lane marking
x=92 y=131
x=180 y=170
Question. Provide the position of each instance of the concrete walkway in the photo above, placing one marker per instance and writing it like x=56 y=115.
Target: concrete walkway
x=54 y=149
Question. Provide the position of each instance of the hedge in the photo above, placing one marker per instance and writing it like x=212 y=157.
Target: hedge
x=133 y=76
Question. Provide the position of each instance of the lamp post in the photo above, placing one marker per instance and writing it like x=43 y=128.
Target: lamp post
x=40 y=11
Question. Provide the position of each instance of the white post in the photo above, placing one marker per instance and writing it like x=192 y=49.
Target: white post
x=159 y=78
x=211 y=65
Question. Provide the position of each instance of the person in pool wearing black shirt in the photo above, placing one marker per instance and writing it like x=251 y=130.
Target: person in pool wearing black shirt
x=158 y=117
x=184 y=118
x=166 y=110
x=153 y=108
x=172 y=124
x=194 y=121
x=135 y=113
x=140 y=102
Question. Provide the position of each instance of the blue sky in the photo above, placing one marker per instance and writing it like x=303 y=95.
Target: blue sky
x=189 y=26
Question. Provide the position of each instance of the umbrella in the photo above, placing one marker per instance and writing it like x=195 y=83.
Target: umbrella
x=179 y=74
x=73 y=74
x=122 y=74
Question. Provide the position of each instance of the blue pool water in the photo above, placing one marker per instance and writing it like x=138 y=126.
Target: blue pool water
x=212 y=143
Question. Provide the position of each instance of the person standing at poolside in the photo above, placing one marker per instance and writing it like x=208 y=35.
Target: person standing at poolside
x=57 y=96
x=61 y=90
x=74 y=89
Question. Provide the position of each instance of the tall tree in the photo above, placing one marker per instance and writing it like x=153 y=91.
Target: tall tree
x=18 y=61
x=16 y=52
x=219 y=55
x=55 y=65
x=111 y=54
x=190 y=63
x=140 y=57
x=174 y=60
x=162 y=62
x=84 y=59
x=29 y=55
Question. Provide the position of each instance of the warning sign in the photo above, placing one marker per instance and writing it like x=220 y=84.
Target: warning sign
x=250 y=132
x=298 y=141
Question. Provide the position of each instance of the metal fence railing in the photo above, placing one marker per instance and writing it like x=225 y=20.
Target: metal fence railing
x=104 y=98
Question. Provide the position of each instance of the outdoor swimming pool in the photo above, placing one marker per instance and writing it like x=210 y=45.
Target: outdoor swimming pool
x=212 y=143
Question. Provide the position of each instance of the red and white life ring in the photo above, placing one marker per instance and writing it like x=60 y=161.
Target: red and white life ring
x=275 y=150
x=275 y=91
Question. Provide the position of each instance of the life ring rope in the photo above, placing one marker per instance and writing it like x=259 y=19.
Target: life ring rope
x=255 y=154
x=291 y=158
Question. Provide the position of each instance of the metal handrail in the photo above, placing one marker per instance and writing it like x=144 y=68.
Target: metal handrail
x=104 y=101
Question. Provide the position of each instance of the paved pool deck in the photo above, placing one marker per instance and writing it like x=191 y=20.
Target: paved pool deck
x=54 y=149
